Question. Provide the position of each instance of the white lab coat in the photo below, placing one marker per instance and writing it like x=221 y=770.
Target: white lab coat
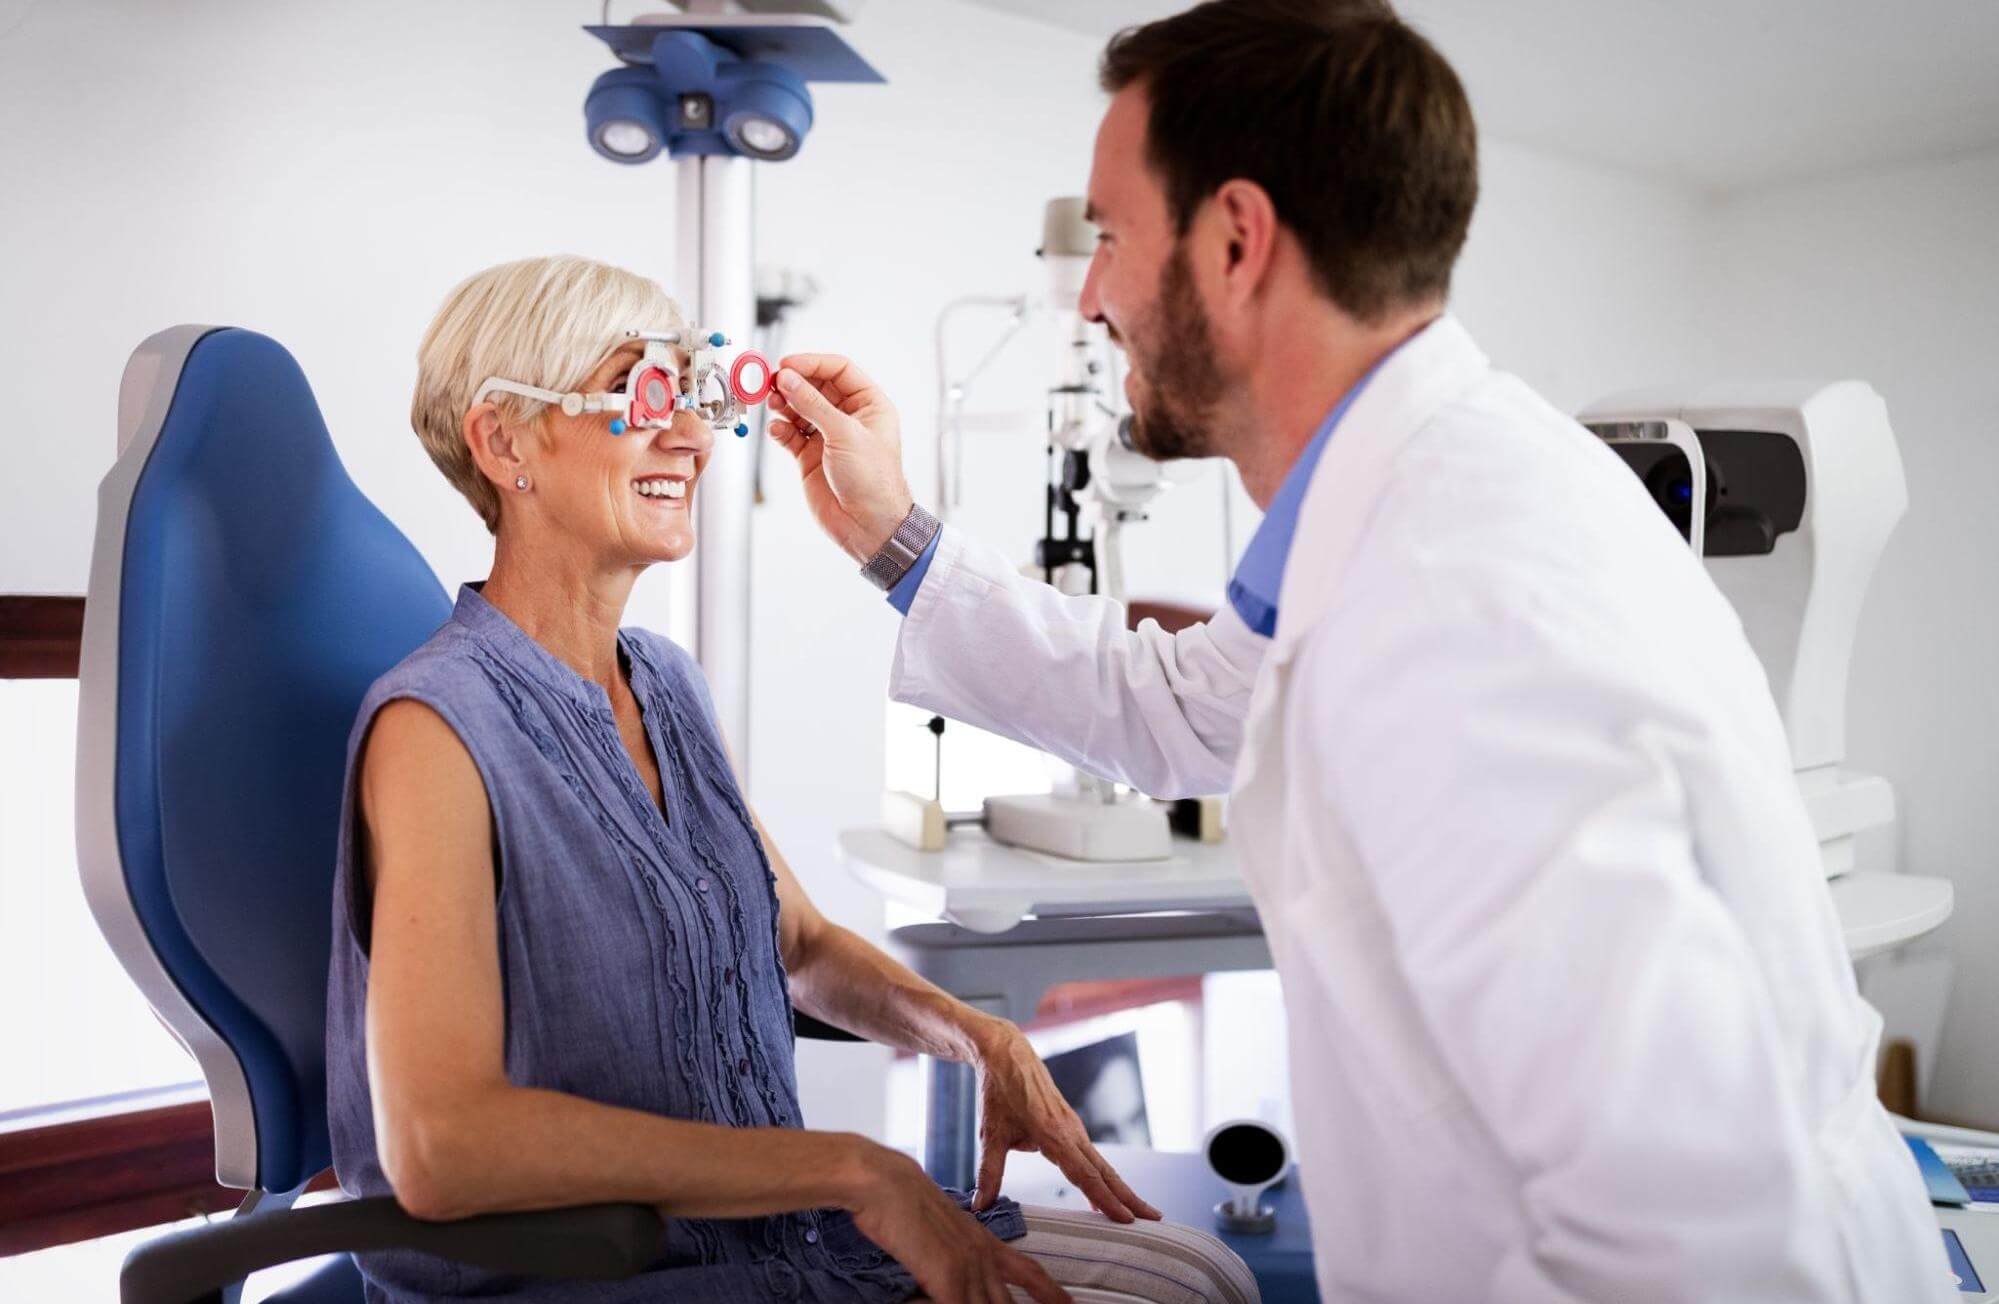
x=1570 y=1016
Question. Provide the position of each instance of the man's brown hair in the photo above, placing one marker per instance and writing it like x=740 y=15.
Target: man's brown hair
x=1354 y=125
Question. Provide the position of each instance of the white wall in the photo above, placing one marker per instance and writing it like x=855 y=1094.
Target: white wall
x=323 y=173
x=1893 y=277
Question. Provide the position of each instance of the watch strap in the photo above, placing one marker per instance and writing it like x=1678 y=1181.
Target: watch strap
x=887 y=567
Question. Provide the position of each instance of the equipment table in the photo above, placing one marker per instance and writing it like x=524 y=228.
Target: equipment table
x=1016 y=922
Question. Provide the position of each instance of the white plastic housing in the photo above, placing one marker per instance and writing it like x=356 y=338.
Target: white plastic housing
x=1079 y=829
x=1800 y=605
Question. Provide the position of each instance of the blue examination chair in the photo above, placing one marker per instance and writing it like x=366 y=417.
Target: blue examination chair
x=243 y=596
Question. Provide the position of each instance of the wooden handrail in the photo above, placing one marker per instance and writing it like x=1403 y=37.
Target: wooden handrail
x=77 y=1172
x=40 y=637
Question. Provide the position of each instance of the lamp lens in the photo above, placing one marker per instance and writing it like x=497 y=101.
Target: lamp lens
x=623 y=136
x=762 y=135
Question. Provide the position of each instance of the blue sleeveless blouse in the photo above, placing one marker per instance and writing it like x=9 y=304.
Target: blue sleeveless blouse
x=639 y=956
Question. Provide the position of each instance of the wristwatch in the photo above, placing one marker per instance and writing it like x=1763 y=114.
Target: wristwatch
x=886 y=568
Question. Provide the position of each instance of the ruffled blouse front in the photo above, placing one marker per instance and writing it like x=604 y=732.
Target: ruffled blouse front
x=638 y=948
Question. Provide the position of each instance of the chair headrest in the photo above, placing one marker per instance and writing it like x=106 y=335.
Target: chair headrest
x=257 y=594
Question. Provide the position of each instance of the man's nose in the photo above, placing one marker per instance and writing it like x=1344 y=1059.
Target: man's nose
x=1090 y=301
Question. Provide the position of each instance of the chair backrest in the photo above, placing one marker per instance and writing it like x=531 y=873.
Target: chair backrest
x=243 y=596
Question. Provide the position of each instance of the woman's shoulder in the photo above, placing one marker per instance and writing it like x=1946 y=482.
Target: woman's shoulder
x=441 y=662
x=443 y=673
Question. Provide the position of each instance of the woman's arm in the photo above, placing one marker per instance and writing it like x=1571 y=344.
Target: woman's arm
x=457 y=1138
x=838 y=976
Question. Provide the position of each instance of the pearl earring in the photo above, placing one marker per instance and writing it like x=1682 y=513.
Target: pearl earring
x=520 y=482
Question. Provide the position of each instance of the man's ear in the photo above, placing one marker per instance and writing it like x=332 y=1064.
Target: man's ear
x=1248 y=226
x=496 y=451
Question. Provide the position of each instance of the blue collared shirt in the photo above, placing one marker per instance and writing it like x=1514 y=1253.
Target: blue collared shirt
x=904 y=593
x=1259 y=576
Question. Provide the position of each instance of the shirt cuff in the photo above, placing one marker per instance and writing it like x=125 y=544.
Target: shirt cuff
x=904 y=593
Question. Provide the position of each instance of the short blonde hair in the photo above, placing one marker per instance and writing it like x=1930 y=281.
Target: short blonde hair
x=542 y=321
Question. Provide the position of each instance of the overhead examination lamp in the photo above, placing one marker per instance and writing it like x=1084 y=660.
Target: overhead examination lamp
x=706 y=83
x=717 y=88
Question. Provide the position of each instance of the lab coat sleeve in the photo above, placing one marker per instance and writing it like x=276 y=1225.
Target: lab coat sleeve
x=1513 y=795
x=992 y=648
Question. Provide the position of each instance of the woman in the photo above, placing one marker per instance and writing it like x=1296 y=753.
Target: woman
x=567 y=955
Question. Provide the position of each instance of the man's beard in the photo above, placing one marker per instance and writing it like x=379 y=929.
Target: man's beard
x=1182 y=385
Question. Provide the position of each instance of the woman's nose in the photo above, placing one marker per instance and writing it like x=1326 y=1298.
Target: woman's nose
x=687 y=433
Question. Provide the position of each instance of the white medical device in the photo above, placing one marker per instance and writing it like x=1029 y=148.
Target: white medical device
x=1789 y=492
x=657 y=386
x=1097 y=485
x=1251 y=1157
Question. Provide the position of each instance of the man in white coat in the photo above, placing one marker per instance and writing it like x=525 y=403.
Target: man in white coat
x=1569 y=1011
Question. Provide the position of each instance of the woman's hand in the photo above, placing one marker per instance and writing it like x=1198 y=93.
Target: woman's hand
x=953 y=1258
x=1023 y=1110
x=847 y=439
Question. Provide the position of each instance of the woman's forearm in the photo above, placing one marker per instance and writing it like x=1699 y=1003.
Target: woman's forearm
x=850 y=983
x=506 y=1148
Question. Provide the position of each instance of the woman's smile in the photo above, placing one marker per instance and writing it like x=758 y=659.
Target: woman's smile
x=666 y=491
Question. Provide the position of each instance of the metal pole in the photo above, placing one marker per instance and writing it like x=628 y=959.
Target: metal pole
x=717 y=288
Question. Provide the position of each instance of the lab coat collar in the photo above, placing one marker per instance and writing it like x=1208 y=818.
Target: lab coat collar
x=1434 y=367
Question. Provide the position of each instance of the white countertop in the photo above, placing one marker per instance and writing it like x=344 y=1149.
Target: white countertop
x=989 y=887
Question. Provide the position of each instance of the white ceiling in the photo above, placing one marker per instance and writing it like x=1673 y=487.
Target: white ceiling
x=1719 y=94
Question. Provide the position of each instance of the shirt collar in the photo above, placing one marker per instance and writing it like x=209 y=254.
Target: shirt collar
x=1259 y=576
x=499 y=632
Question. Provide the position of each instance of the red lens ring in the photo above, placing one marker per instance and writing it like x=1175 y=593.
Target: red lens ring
x=635 y=388
x=752 y=397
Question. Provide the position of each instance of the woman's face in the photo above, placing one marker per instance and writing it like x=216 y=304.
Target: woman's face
x=629 y=495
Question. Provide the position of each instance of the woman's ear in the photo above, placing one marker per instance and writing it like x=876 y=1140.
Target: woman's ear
x=495 y=449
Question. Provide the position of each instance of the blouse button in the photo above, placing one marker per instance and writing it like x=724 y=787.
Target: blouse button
x=729 y=975
x=743 y=1066
x=811 y=1235
x=700 y=885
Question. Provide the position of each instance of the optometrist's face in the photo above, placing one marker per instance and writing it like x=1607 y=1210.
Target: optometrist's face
x=630 y=495
x=1141 y=287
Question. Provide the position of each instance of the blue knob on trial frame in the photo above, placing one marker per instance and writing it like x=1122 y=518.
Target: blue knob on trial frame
x=718 y=339
x=618 y=425
x=742 y=430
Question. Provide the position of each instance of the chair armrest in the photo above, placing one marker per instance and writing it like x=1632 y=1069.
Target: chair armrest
x=806 y=1028
x=605 y=1241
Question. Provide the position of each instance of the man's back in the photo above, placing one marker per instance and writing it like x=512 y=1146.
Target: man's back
x=1570 y=1011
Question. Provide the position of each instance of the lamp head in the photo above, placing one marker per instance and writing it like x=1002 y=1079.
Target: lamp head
x=686 y=93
